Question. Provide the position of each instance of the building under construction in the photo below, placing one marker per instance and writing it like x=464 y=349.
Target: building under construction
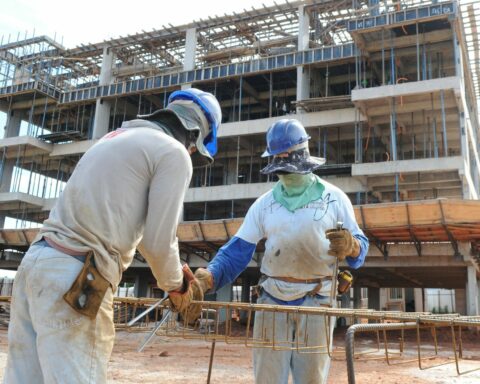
x=387 y=90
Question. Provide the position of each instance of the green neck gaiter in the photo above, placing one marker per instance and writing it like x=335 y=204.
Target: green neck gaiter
x=294 y=191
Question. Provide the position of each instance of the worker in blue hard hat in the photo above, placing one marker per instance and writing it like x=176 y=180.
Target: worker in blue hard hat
x=299 y=218
x=126 y=193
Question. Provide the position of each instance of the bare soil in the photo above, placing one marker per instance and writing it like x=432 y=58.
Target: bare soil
x=172 y=360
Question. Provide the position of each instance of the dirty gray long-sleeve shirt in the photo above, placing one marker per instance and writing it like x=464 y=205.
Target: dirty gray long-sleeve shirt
x=127 y=191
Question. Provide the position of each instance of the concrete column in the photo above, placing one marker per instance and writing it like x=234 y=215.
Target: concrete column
x=225 y=295
x=478 y=294
x=232 y=177
x=190 y=49
x=141 y=284
x=357 y=297
x=472 y=291
x=418 y=297
x=345 y=300
x=303 y=74
x=102 y=109
x=190 y=53
x=21 y=75
x=12 y=125
x=12 y=129
x=457 y=56
x=460 y=302
x=374 y=298
x=246 y=289
x=246 y=283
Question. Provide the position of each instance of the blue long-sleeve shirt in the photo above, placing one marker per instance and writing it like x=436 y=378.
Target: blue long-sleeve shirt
x=234 y=256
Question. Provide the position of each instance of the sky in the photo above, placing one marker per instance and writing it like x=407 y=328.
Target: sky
x=89 y=21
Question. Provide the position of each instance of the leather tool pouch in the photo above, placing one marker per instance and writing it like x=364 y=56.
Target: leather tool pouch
x=88 y=290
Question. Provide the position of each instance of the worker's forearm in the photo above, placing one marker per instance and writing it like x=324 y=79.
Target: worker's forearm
x=230 y=261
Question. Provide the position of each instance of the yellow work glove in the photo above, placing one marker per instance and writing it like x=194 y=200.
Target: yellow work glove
x=181 y=298
x=342 y=243
x=204 y=281
x=194 y=289
x=204 y=278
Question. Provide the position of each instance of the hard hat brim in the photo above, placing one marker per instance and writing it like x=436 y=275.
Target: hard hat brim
x=301 y=166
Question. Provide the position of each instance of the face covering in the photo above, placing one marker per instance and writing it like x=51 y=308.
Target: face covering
x=295 y=183
x=295 y=190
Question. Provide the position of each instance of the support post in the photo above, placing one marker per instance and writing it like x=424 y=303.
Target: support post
x=190 y=53
x=103 y=106
x=472 y=291
x=303 y=73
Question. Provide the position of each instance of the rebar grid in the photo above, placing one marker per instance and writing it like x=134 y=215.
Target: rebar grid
x=218 y=322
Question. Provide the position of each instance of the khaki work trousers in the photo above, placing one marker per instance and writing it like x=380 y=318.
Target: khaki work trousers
x=49 y=342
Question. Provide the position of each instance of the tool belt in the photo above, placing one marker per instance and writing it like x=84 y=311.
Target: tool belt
x=301 y=281
x=319 y=281
x=88 y=290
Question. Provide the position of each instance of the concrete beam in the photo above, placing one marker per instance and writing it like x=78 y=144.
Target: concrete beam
x=406 y=89
x=428 y=250
x=30 y=141
x=309 y=120
x=412 y=262
x=16 y=197
x=405 y=166
x=27 y=104
x=75 y=148
x=254 y=190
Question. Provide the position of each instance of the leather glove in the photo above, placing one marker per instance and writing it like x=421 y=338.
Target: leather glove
x=204 y=281
x=194 y=288
x=181 y=298
x=342 y=243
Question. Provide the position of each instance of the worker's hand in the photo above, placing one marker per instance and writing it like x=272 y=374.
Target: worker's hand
x=194 y=288
x=190 y=290
x=204 y=281
x=342 y=243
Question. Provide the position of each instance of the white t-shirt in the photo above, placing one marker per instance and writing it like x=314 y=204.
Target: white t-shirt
x=296 y=245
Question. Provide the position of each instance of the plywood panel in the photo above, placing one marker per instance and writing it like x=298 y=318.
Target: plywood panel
x=233 y=226
x=14 y=237
x=30 y=234
x=214 y=230
x=189 y=231
x=463 y=211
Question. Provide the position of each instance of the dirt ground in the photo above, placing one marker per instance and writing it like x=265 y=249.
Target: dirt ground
x=172 y=360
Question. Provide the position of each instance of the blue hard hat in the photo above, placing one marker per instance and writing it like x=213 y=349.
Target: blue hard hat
x=284 y=134
x=210 y=107
x=289 y=135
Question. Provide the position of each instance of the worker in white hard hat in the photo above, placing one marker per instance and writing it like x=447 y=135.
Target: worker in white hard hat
x=299 y=219
x=126 y=193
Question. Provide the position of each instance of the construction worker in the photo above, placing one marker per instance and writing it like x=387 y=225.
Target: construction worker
x=299 y=218
x=126 y=192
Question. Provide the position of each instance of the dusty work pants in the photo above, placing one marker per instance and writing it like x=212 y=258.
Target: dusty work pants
x=49 y=342
x=273 y=366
